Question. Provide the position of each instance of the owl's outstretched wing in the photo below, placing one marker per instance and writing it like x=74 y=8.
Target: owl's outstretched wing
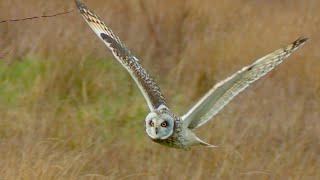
x=223 y=92
x=146 y=84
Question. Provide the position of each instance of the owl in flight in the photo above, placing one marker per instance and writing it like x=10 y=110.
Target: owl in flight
x=162 y=125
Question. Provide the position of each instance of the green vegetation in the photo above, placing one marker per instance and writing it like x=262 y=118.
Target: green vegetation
x=94 y=91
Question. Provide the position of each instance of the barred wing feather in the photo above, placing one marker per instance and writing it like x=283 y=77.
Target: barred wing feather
x=223 y=92
x=146 y=84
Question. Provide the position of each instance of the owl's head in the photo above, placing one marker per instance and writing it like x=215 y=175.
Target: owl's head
x=159 y=125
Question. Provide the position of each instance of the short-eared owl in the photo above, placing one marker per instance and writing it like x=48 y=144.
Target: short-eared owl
x=161 y=125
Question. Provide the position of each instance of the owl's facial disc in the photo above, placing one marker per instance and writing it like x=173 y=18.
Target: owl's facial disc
x=159 y=126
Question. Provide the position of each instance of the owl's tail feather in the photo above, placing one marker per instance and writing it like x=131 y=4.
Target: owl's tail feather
x=206 y=144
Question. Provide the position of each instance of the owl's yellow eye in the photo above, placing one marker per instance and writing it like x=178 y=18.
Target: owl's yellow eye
x=164 y=124
x=151 y=123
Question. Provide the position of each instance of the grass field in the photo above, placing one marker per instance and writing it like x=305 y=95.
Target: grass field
x=68 y=110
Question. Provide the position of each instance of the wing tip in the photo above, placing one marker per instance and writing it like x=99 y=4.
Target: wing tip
x=79 y=4
x=300 y=41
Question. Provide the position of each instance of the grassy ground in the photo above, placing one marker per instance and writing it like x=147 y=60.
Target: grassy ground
x=68 y=110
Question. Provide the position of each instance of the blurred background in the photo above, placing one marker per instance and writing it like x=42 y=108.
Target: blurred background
x=68 y=110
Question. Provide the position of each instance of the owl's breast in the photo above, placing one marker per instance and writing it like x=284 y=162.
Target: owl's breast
x=176 y=140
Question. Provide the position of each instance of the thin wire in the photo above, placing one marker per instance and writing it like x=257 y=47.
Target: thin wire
x=37 y=17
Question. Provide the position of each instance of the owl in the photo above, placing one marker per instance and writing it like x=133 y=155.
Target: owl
x=161 y=124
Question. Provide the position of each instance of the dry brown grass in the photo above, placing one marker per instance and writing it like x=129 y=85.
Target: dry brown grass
x=69 y=111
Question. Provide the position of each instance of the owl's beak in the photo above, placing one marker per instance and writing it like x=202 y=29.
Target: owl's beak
x=156 y=129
